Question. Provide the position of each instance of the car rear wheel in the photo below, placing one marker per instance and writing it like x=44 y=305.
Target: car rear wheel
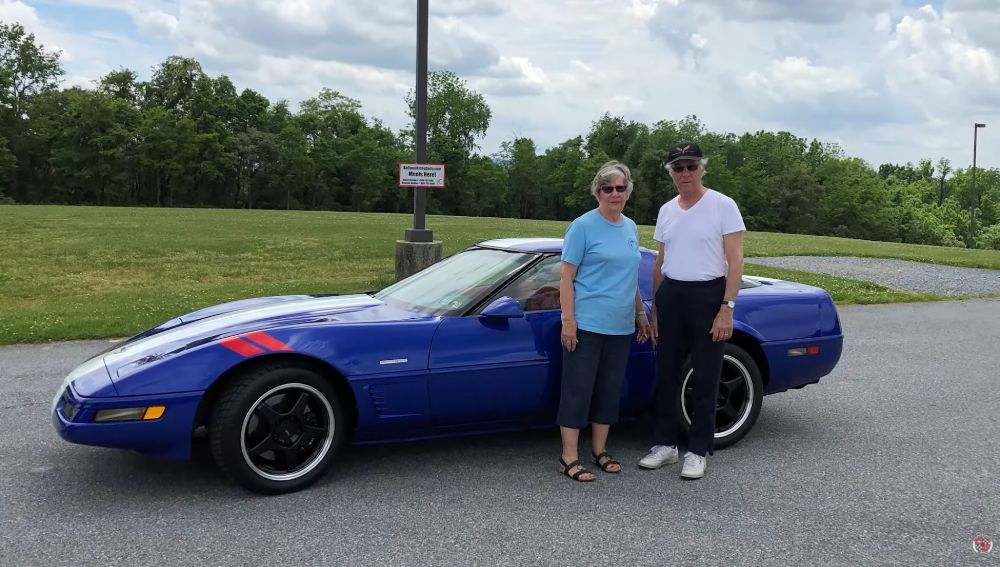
x=277 y=428
x=741 y=393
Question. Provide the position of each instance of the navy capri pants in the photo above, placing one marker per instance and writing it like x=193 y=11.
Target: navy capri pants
x=592 y=379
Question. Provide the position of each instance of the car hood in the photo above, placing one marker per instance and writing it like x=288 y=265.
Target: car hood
x=207 y=325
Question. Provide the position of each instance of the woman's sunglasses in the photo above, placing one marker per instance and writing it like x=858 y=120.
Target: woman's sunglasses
x=680 y=168
x=607 y=189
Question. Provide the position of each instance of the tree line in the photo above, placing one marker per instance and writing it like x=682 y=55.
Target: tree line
x=187 y=139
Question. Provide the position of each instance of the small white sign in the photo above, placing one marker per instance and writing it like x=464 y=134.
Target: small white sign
x=421 y=175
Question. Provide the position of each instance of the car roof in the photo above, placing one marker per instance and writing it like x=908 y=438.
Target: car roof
x=525 y=244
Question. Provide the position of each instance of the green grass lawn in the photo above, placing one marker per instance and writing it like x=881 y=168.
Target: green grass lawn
x=89 y=272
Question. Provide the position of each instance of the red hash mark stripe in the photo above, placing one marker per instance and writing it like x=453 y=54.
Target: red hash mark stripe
x=241 y=347
x=267 y=341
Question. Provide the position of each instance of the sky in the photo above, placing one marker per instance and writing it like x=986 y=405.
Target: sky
x=888 y=80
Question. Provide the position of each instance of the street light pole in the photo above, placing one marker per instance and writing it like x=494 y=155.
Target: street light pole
x=972 y=197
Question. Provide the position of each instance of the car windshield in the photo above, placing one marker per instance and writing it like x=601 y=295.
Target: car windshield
x=454 y=284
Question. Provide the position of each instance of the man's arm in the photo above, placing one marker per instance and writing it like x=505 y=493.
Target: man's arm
x=722 y=327
x=733 y=245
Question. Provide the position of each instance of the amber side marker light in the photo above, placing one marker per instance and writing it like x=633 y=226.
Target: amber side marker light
x=154 y=412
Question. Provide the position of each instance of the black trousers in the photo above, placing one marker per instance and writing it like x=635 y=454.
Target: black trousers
x=685 y=312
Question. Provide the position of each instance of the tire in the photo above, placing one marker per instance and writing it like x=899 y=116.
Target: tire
x=741 y=393
x=277 y=428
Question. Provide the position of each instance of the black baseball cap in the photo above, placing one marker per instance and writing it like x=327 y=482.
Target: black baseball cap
x=684 y=150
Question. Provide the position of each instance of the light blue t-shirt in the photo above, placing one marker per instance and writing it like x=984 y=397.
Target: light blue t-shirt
x=606 y=256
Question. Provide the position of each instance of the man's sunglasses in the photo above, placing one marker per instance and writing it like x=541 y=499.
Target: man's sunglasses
x=681 y=168
x=607 y=189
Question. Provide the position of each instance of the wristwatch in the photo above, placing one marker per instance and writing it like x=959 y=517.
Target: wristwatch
x=730 y=304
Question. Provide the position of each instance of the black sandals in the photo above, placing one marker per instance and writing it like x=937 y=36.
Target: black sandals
x=607 y=462
x=576 y=476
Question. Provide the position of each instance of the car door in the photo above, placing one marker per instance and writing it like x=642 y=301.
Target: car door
x=499 y=372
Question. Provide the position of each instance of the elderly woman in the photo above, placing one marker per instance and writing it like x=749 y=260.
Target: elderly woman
x=601 y=308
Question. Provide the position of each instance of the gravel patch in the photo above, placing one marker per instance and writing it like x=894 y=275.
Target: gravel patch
x=897 y=274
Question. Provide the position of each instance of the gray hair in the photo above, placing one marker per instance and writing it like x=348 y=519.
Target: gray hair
x=702 y=161
x=609 y=171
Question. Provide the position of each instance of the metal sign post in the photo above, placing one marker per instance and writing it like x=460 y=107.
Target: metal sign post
x=418 y=233
x=418 y=249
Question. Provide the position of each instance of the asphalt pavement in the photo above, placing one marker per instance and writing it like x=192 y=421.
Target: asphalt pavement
x=892 y=459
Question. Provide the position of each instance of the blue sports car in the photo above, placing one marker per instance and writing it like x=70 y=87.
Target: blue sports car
x=280 y=385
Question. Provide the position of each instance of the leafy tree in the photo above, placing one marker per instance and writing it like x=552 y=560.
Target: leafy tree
x=488 y=187
x=27 y=70
x=331 y=123
x=457 y=117
x=526 y=186
x=167 y=146
x=989 y=237
x=173 y=84
x=122 y=85
x=855 y=202
x=8 y=166
x=943 y=169
x=93 y=148
x=558 y=168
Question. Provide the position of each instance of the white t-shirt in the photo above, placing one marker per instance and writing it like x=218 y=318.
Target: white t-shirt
x=692 y=239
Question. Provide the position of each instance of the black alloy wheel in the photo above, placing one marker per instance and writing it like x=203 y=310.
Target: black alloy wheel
x=277 y=429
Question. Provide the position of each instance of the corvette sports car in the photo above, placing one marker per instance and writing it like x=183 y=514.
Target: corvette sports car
x=279 y=386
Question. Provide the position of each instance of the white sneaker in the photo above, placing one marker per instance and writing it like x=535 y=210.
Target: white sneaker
x=694 y=466
x=658 y=456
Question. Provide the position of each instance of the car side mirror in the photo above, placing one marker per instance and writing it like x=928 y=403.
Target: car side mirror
x=505 y=307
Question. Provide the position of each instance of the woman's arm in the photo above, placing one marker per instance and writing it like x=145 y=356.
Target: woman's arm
x=567 y=272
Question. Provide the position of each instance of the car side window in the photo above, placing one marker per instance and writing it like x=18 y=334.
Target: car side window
x=538 y=288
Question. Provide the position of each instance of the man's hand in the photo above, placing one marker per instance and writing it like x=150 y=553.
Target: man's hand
x=722 y=327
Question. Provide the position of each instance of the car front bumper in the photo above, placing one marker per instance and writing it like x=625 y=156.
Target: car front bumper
x=168 y=436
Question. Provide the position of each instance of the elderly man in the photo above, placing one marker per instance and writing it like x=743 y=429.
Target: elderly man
x=696 y=277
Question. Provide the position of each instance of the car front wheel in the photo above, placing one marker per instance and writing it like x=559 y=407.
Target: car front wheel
x=740 y=396
x=277 y=428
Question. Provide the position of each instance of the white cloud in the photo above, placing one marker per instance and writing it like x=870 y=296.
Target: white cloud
x=156 y=23
x=816 y=12
x=289 y=69
x=16 y=11
x=973 y=5
x=930 y=56
x=883 y=22
x=798 y=79
x=514 y=76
